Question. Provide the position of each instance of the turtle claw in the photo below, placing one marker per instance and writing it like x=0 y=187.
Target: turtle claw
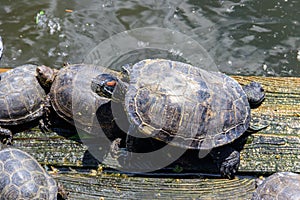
x=228 y=171
x=44 y=127
x=62 y=194
x=45 y=123
x=230 y=165
x=254 y=129
x=228 y=161
x=6 y=136
x=115 y=148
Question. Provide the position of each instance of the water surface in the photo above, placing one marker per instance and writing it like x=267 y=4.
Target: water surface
x=241 y=36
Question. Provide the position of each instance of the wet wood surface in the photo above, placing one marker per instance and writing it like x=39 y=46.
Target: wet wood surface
x=276 y=148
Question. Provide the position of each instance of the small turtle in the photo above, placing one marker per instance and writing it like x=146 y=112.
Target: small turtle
x=21 y=177
x=279 y=186
x=73 y=97
x=22 y=98
x=189 y=108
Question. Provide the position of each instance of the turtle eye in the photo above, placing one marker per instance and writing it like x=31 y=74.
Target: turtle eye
x=109 y=87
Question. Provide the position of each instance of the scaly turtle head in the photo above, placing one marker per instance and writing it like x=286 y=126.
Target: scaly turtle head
x=104 y=85
x=255 y=94
x=46 y=76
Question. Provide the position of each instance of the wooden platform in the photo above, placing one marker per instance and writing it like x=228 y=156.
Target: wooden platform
x=276 y=148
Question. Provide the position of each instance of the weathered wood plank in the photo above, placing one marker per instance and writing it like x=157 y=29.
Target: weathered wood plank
x=118 y=187
x=277 y=147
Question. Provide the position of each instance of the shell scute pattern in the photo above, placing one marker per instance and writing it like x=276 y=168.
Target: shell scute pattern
x=20 y=177
x=279 y=186
x=12 y=165
x=74 y=99
x=21 y=96
x=4 y=180
x=61 y=92
x=201 y=109
x=28 y=190
x=21 y=181
x=11 y=192
x=30 y=164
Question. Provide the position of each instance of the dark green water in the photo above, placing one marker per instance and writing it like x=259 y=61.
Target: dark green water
x=242 y=37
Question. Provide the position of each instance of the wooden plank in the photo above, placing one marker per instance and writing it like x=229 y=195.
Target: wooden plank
x=276 y=148
x=114 y=186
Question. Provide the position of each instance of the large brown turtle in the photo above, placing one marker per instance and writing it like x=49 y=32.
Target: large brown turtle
x=23 y=91
x=189 y=107
x=279 y=186
x=21 y=177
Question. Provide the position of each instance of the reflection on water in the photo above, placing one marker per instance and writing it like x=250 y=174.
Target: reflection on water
x=242 y=36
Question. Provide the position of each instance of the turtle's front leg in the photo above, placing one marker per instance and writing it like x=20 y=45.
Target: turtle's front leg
x=43 y=125
x=227 y=159
x=6 y=136
x=45 y=122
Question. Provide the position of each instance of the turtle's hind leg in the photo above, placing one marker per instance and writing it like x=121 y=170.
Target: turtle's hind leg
x=227 y=160
x=45 y=123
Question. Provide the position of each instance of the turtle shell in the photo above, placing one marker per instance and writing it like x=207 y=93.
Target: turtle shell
x=23 y=178
x=73 y=99
x=184 y=105
x=281 y=185
x=21 y=96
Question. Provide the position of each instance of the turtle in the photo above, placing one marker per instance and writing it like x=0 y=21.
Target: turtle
x=188 y=107
x=23 y=92
x=1 y=47
x=74 y=98
x=279 y=186
x=23 y=178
